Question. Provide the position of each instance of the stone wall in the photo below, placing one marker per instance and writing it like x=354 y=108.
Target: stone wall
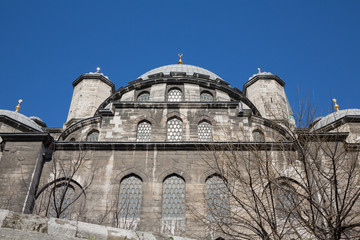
x=21 y=226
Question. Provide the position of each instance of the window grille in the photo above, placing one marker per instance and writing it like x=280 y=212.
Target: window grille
x=174 y=197
x=174 y=95
x=144 y=132
x=258 y=136
x=144 y=97
x=285 y=201
x=174 y=130
x=130 y=197
x=93 y=136
x=204 y=132
x=216 y=198
x=61 y=198
x=206 y=97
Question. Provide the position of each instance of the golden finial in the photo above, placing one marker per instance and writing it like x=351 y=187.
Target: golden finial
x=336 y=106
x=180 y=56
x=259 y=70
x=97 y=70
x=18 y=106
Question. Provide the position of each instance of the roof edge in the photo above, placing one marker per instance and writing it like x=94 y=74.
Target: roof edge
x=98 y=76
x=257 y=77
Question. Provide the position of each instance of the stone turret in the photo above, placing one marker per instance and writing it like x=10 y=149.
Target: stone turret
x=267 y=93
x=90 y=90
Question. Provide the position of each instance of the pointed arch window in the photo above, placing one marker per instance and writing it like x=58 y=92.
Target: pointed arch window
x=143 y=132
x=173 y=197
x=130 y=198
x=93 y=136
x=284 y=200
x=206 y=97
x=144 y=97
x=217 y=201
x=258 y=136
x=174 y=95
x=174 y=130
x=61 y=198
x=204 y=131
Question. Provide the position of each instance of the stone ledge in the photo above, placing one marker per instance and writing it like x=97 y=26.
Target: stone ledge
x=20 y=226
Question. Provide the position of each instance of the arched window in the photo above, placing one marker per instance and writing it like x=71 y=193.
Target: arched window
x=144 y=97
x=173 y=197
x=72 y=140
x=130 y=198
x=93 y=136
x=204 y=131
x=174 y=95
x=206 y=97
x=217 y=202
x=174 y=130
x=284 y=200
x=258 y=136
x=143 y=132
x=61 y=198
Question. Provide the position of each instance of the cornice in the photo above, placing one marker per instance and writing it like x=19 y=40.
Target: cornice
x=27 y=137
x=255 y=78
x=178 y=146
x=94 y=76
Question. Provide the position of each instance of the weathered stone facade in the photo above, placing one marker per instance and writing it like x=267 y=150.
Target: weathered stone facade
x=101 y=146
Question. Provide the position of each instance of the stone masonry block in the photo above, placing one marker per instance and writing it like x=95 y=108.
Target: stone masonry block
x=62 y=227
x=87 y=230
x=25 y=222
x=3 y=214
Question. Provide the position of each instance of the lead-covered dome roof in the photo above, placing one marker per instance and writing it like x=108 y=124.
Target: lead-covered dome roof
x=190 y=70
x=335 y=116
x=18 y=117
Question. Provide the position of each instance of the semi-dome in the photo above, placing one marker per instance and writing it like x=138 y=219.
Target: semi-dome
x=190 y=70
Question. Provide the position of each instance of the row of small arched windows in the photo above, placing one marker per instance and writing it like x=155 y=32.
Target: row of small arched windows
x=130 y=198
x=174 y=132
x=176 y=95
x=173 y=197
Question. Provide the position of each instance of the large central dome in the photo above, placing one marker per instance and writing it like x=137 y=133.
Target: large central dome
x=188 y=69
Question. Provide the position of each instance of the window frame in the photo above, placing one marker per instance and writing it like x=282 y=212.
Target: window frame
x=92 y=132
x=181 y=132
x=211 y=133
x=137 y=130
x=141 y=93
x=140 y=200
x=174 y=86
x=207 y=92
x=182 y=204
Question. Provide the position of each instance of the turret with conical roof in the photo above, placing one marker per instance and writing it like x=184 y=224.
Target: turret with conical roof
x=90 y=90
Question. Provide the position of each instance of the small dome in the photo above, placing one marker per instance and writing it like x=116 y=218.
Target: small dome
x=188 y=69
x=332 y=117
x=21 y=118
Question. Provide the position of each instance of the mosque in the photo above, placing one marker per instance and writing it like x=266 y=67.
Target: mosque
x=130 y=157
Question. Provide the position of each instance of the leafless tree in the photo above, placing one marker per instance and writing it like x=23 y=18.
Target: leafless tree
x=61 y=195
x=305 y=186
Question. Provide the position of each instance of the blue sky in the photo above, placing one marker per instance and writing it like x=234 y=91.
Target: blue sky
x=314 y=46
